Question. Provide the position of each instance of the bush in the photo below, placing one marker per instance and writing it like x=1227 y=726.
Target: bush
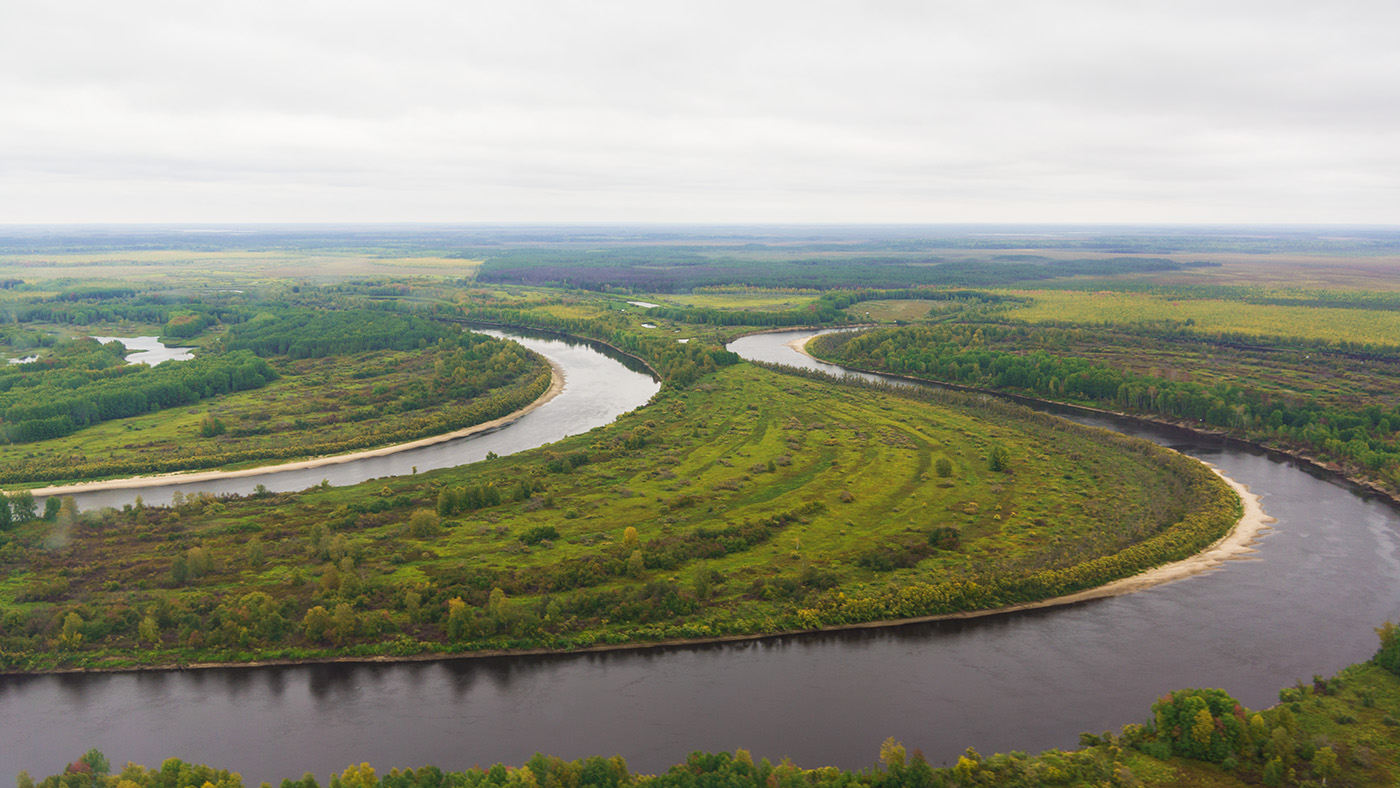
x=539 y=534
x=1388 y=656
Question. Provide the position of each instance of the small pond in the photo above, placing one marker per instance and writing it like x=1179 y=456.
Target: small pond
x=148 y=350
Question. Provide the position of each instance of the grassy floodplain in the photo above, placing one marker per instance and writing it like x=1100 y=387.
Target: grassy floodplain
x=1334 y=325
x=752 y=502
x=315 y=407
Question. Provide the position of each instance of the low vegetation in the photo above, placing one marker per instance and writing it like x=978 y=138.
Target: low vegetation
x=750 y=502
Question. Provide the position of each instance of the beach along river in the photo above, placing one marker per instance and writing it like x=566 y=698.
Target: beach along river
x=1305 y=603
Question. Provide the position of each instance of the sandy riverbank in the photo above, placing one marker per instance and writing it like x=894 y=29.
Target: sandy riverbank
x=556 y=387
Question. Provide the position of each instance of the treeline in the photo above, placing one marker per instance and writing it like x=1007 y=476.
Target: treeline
x=1313 y=736
x=674 y=269
x=86 y=306
x=39 y=402
x=973 y=355
x=828 y=309
x=300 y=332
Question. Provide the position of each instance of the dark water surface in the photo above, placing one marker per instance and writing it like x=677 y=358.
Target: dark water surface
x=1326 y=574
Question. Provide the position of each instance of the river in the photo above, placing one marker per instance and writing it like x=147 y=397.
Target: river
x=1326 y=574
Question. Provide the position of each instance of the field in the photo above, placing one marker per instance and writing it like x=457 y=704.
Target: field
x=181 y=268
x=1330 y=325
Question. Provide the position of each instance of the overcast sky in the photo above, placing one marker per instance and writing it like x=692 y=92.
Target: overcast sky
x=712 y=111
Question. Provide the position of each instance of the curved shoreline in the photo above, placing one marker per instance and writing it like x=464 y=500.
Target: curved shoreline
x=1237 y=544
x=1334 y=469
x=556 y=387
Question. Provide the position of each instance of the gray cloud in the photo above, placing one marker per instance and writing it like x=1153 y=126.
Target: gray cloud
x=721 y=111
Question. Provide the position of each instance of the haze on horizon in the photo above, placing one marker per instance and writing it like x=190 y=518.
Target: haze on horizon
x=721 y=112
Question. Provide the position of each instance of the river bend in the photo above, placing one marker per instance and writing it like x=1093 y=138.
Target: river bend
x=1326 y=574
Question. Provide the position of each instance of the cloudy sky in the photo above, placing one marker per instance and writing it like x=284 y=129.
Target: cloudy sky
x=715 y=111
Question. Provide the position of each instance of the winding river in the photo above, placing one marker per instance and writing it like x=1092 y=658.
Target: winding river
x=1326 y=574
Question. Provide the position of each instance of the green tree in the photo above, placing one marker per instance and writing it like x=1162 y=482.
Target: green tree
x=345 y=623
x=998 y=458
x=1325 y=763
x=459 y=619
x=51 y=507
x=943 y=468
x=22 y=506
x=423 y=523
x=148 y=631
x=71 y=636
x=97 y=762
x=316 y=623
x=7 y=520
x=1388 y=656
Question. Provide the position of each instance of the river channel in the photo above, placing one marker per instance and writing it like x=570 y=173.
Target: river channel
x=1306 y=603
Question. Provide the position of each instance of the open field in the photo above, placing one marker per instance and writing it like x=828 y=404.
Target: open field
x=182 y=268
x=1334 y=325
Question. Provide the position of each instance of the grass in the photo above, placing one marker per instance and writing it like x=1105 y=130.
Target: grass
x=845 y=474
x=1213 y=315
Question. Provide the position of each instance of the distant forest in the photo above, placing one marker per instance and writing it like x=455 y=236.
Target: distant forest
x=681 y=269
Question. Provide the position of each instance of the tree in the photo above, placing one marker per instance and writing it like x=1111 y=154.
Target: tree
x=345 y=623
x=148 y=631
x=97 y=762
x=998 y=458
x=1325 y=763
x=71 y=636
x=423 y=524
x=22 y=506
x=6 y=519
x=51 y=507
x=316 y=622
x=1388 y=656
x=458 y=619
x=943 y=467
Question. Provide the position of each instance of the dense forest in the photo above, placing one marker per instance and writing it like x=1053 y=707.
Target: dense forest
x=680 y=269
x=1287 y=400
x=84 y=383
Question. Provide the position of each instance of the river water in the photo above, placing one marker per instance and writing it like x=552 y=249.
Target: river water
x=1326 y=574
